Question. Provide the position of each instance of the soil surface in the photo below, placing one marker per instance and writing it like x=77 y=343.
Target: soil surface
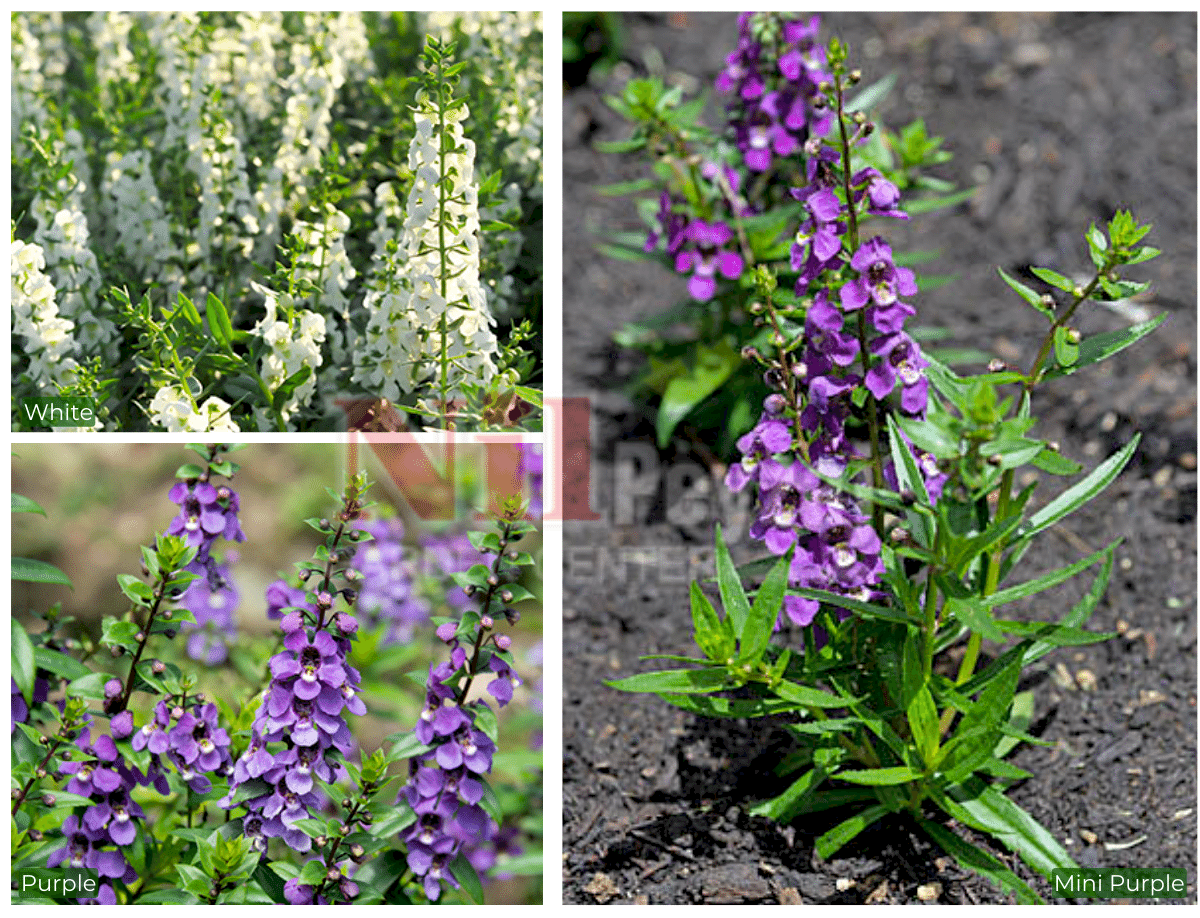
x=1059 y=119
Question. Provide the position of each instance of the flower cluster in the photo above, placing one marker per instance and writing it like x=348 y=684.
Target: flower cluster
x=207 y=512
x=192 y=741
x=230 y=150
x=440 y=290
x=774 y=75
x=212 y=598
x=96 y=838
x=48 y=339
x=293 y=343
x=304 y=707
x=447 y=782
x=853 y=339
x=388 y=593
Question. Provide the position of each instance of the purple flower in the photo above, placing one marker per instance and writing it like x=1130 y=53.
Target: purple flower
x=206 y=513
x=530 y=467
x=770 y=129
x=704 y=257
x=883 y=195
x=879 y=280
x=901 y=359
x=772 y=435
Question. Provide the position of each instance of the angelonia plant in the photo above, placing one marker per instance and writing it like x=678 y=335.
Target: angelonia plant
x=883 y=485
x=278 y=221
x=727 y=200
x=175 y=789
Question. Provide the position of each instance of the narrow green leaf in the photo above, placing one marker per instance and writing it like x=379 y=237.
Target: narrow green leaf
x=24 y=665
x=1020 y=719
x=1104 y=345
x=30 y=570
x=22 y=504
x=711 y=634
x=674 y=680
x=218 y=321
x=1028 y=295
x=809 y=697
x=975 y=614
x=1055 y=463
x=837 y=601
x=1057 y=635
x=1054 y=279
x=712 y=706
x=462 y=870
x=870 y=96
x=915 y=207
x=733 y=594
x=880 y=777
x=837 y=837
x=791 y=803
x=1080 y=493
x=1046 y=581
x=711 y=367
x=59 y=663
x=971 y=858
x=1066 y=351
x=985 y=808
x=760 y=624
x=923 y=721
x=979 y=730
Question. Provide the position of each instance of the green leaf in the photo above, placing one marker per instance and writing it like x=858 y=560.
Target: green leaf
x=880 y=777
x=24 y=664
x=1020 y=719
x=971 y=858
x=1104 y=345
x=837 y=837
x=917 y=206
x=760 y=624
x=22 y=504
x=870 y=96
x=90 y=686
x=1046 y=581
x=923 y=721
x=405 y=746
x=1066 y=351
x=837 y=601
x=218 y=321
x=1054 y=279
x=979 y=730
x=792 y=802
x=713 y=365
x=1028 y=295
x=712 y=706
x=973 y=612
x=1080 y=493
x=809 y=697
x=29 y=570
x=733 y=594
x=985 y=808
x=59 y=663
x=461 y=870
x=1057 y=635
x=137 y=591
x=713 y=635
x=288 y=386
x=674 y=680
x=1055 y=463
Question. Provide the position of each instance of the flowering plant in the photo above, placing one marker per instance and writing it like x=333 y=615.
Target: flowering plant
x=181 y=788
x=884 y=483
x=269 y=221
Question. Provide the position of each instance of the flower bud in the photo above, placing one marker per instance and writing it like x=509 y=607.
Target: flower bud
x=486 y=621
x=167 y=615
x=854 y=77
x=35 y=835
x=1074 y=336
x=774 y=403
x=772 y=378
x=996 y=365
x=49 y=799
x=357 y=851
x=503 y=641
x=493 y=580
x=994 y=460
x=512 y=615
x=506 y=596
x=908 y=497
x=320 y=841
x=116 y=651
x=749 y=352
x=158 y=667
x=41 y=773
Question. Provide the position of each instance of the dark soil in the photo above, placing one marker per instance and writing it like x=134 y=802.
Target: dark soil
x=1059 y=119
